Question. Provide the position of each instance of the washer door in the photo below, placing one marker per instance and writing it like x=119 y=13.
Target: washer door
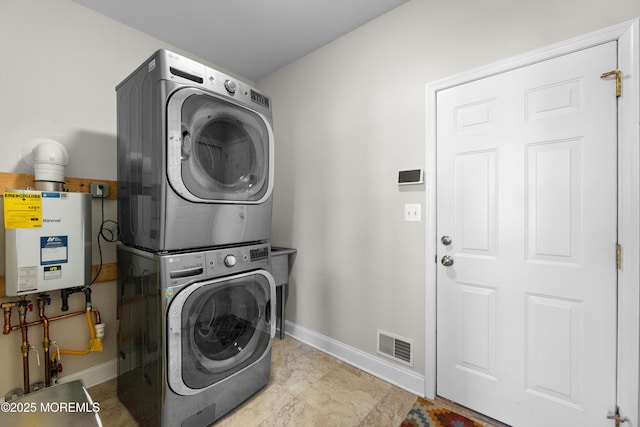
x=218 y=327
x=217 y=150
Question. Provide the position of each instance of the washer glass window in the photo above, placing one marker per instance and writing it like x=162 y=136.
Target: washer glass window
x=225 y=326
x=224 y=150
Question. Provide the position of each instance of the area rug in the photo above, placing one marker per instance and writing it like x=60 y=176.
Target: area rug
x=427 y=413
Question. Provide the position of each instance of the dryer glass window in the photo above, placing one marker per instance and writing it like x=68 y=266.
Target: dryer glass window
x=225 y=326
x=224 y=150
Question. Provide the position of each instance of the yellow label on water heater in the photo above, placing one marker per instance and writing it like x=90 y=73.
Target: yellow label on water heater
x=22 y=209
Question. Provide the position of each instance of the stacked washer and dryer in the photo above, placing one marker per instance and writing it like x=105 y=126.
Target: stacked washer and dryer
x=196 y=297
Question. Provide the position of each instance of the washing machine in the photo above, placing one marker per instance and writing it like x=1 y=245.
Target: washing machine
x=195 y=157
x=194 y=332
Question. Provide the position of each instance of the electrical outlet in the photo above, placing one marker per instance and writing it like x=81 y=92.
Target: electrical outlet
x=99 y=189
x=412 y=212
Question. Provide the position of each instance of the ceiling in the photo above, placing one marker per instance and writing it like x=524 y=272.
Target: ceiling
x=250 y=37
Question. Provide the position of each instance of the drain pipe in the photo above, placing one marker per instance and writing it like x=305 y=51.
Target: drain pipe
x=43 y=300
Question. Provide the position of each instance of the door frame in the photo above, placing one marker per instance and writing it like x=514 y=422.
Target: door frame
x=627 y=36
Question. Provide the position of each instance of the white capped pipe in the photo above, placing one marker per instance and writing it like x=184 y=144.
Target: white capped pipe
x=50 y=158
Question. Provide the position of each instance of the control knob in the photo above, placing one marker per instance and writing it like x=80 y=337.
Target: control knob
x=230 y=86
x=230 y=260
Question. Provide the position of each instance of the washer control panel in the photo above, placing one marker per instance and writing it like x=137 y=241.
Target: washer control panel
x=232 y=260
x=186 y=267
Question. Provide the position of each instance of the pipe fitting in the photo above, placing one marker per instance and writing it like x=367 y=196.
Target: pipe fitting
x=43 y=299
x=100 y=330
x=6 y=307
x=87 y=298
x=24 y=305
x=24 y=349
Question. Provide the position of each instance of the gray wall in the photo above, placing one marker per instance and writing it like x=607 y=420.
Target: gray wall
x=351 y=114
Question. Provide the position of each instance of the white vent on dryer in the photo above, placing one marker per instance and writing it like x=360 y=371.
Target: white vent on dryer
x=395 y=347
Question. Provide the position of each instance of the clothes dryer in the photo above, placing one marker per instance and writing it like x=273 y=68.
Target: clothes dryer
x=194 y=332
x=195 y=157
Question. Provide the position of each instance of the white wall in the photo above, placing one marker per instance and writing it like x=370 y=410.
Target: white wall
x=352 y=113
x=60 y=65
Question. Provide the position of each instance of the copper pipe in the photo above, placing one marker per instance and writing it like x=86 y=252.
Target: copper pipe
x=30 y=324
x=24 y=325
x=59 y=317
x=45 y=341
x=24 y=348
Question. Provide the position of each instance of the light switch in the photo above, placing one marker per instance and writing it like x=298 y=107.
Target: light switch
x=412 y=212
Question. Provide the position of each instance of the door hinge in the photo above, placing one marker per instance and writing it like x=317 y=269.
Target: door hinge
x=618 y=256
x=617 y=418
x=618 y=75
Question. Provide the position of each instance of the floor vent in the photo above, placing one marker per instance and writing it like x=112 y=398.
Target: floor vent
x=395 y=347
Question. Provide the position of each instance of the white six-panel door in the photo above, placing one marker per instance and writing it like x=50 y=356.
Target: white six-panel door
x=527 y=194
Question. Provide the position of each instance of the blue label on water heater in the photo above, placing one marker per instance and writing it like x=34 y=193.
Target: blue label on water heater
x=54 y=250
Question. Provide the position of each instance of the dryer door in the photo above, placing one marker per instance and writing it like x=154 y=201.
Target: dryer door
x=217 y=151
x=218 y=327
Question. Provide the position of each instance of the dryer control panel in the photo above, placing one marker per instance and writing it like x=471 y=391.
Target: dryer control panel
x=174 y=67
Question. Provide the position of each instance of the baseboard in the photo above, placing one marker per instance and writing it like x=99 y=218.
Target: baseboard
x=385 y=370
x=93 y=375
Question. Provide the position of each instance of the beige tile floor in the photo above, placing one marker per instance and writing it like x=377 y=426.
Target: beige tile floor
x=307 y=388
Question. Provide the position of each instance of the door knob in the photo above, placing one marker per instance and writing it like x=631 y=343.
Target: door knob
x=447 y=261
x=446 y=240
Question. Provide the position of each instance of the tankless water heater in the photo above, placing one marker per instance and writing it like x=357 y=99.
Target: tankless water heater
x=47 y=240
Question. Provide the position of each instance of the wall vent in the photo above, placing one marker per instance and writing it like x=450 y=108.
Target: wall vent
x=395 y=347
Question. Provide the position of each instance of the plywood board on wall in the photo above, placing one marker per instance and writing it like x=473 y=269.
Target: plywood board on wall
x=14 y=181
